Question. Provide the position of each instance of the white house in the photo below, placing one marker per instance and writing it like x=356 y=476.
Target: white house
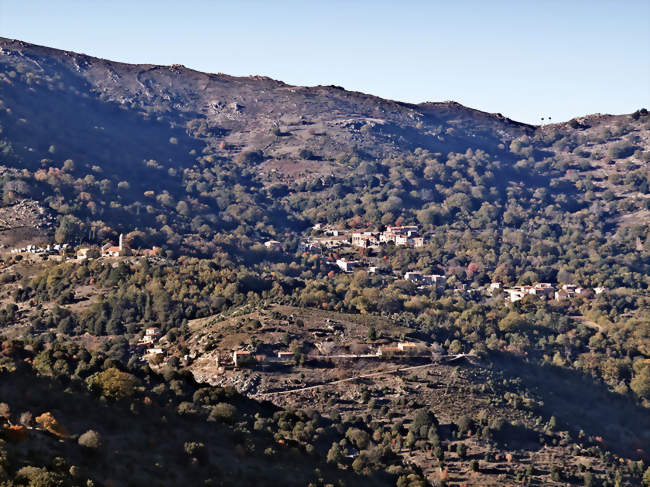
x=346 y=265
x=414 y=276
x=515 y=294
x=364 y=239
x=273 y=245
x=82 y=254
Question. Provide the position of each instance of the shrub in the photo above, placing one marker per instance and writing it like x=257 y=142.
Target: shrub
x=223 y=412
x=464 y=424
x=38 y=477
x=334 y=455
x=196 y=450
x=621 y=150
x=252 y=156
x=306 y=154
x=90 y=439
x=358 y=437
x=556 y=473
x=461 y=450
x=646 y=477
x=51 y=425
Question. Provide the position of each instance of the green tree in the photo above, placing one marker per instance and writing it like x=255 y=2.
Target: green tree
x=410 y=440
x=640 y=383
x=224 y=412
x=461 y=450
x=372 y=333
x=646 y=477
x=334 y=455
x=359 y=438
x=69 y=229
x=113 y=384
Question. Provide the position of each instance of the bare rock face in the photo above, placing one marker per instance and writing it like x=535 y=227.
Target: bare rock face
x=255 y=112
x=25 y=214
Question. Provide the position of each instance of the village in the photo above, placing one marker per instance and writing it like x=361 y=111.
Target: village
x=545 y=290
x=331 y=242
x=68 y=251
x=329 y=238
x=345 y=252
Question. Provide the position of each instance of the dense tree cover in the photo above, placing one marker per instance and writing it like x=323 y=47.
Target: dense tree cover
x=138 y=294
x=502 y=219
x=141 y=294
x=164 y=425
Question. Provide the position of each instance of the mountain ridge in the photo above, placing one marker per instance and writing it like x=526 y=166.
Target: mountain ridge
x=16 y=45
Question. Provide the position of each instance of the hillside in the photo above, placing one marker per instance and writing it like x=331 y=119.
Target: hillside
x=88 y=420
x=313 y=232
x=182 y=159
x=140 y=147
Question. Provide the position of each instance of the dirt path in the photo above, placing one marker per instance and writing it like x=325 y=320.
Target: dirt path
x=589 y=323
x=340 y=381
x=352 y=379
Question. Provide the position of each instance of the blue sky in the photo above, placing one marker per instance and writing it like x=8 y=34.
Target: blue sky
x=525 y=59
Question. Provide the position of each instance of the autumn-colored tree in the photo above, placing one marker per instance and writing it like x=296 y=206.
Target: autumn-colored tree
x=51 y=425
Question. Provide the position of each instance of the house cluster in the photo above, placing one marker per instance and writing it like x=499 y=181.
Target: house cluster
x=402 y=236
x=48 y=249
x=121 y=249
x=333 y=239
x=568 y=291
x=242 y=358
x=273 y=245
x=312 y=247
x=425 y=279
x=347 y=265
x=546 y=290
x=402 y=349
x=110 y=250
x=148 y=341
x=365 y=239
x=83 y=253
x=248 y=358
